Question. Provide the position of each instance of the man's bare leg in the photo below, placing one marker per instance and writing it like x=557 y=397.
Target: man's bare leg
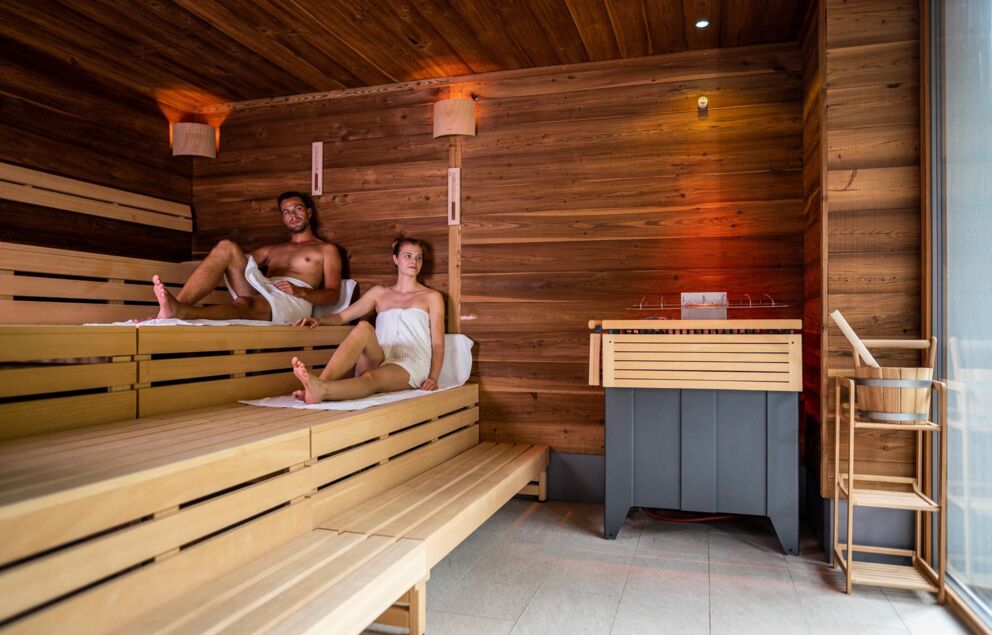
x=226 y=257
x=244 y=308
x=386 y=378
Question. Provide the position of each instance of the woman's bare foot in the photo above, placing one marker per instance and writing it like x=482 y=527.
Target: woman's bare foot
x=312 y=390
x=168 y=305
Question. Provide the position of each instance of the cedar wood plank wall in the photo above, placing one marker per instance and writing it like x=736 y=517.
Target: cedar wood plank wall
x=872 y=212
x=586 y=188
x=57 y=118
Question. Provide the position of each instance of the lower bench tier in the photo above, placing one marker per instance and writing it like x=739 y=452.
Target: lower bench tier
x=713 y=451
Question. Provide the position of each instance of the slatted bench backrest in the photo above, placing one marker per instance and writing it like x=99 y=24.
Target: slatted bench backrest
x=41 y=285
x=60 y=377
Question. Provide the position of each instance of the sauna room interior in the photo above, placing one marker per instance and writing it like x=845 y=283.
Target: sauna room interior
x=714 y=278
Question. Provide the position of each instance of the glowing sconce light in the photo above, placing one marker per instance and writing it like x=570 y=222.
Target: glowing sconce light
x=194 y=139
x=454 y=117
x=702 y=24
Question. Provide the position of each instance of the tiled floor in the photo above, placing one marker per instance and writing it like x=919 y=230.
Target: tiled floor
x=544 y=568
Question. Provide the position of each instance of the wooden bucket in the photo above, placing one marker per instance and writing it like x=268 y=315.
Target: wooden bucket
x=893 y=395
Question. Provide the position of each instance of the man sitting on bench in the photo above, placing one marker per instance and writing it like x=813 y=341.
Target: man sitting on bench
x=300 y=273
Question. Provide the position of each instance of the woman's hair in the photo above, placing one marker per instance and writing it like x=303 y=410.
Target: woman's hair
x=399 y=241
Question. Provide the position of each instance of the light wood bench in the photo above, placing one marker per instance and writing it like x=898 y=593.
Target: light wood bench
x=107 y=526
x=116 y=523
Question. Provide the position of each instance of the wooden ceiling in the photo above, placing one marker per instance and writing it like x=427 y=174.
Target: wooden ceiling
x=195 y=53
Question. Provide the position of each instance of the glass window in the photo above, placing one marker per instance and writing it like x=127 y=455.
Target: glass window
x=966 y=70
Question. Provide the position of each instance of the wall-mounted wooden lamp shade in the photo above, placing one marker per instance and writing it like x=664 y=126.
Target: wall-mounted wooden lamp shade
x=454 y=116
x=194 y=139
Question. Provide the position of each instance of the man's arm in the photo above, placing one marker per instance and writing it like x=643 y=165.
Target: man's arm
x=261 y=255
x=331 y=291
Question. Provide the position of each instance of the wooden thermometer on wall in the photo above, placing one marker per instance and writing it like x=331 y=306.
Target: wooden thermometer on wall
x=317 y=168
x=454 y=196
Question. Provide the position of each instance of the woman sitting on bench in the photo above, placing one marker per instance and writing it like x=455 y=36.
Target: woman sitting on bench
x=404 y=350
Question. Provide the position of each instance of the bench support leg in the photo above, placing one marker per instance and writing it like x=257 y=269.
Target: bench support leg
x=542 y=486
x=418 y=608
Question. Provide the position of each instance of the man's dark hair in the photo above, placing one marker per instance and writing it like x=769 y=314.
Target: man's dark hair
x=307 y=202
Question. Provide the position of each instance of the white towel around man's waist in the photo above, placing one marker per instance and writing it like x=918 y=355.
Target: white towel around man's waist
x=286 y=308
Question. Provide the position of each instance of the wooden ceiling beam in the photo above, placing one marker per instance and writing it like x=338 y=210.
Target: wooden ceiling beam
x=560 y=30
x=488 y=27
x=666 y=26
x=456 y=32
x=432 y=53
x=242 y=31
x=630 y=27
x=524 y=29
x=593 y=22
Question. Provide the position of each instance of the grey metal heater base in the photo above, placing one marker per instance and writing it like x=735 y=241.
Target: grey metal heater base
x=715 y=451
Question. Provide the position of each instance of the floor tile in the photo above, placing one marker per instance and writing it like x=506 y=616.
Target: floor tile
x=589 y=572
x=668 y=583
x=747 y=549
x=684 y=539
x=553 y=612
x=444 y=623
x=922 y=615
x=637 y=619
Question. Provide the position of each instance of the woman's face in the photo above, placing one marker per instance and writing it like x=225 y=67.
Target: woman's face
x=409 y=260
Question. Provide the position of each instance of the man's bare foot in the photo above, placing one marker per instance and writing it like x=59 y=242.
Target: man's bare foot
x=312 y=390
x=167 y=303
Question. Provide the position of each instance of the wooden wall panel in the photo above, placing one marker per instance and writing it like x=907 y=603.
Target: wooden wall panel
x=57 y=118
x=587 y=188
x=384 y=175
x=872 y=198
x=581 y=196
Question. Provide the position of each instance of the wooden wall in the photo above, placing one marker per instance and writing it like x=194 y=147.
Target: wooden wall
x=57 y=118
x=872 y=205
x=587 y=188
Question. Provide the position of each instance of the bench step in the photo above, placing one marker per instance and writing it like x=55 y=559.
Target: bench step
x=445 y=504
x=321 y=583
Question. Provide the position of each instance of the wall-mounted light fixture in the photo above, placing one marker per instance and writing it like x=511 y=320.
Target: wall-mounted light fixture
x=454 y=116
x=703 y=102
x=702 y=24
x=194 y=139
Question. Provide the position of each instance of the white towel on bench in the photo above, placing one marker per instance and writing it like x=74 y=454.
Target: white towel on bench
x=288 y=401
x=179 y=322
x=455 y=372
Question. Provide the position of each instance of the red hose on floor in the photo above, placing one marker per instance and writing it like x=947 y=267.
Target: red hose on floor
x=651 y=513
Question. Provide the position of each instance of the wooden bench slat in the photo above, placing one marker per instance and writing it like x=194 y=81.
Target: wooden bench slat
x=450 y=526
x=160 y=399
x=112 y=605
x=352 y=604
x=17 y=174
x=28 y=344
x=373 y=482
x=341 y=432
x=197 y=339
x=351 y=516
x=31 y=286
x=31 y=259
x=64 y=378
x=58 y=514
x=48 y=415
x=418 y=503
x=49 y=577
x=202 y=440
x=28 y=312
x=363 y=456
x=191 y=367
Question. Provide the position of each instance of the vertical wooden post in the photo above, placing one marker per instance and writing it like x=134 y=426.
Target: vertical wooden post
x=418 y=608
x=455 y=250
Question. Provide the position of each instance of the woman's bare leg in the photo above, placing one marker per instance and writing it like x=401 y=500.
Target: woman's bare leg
x=386 y=378
x=360 y=345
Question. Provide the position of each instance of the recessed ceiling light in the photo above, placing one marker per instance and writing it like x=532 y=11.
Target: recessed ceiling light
x=702 y=24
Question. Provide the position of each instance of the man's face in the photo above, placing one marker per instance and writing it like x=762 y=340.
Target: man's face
x=295 y=215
